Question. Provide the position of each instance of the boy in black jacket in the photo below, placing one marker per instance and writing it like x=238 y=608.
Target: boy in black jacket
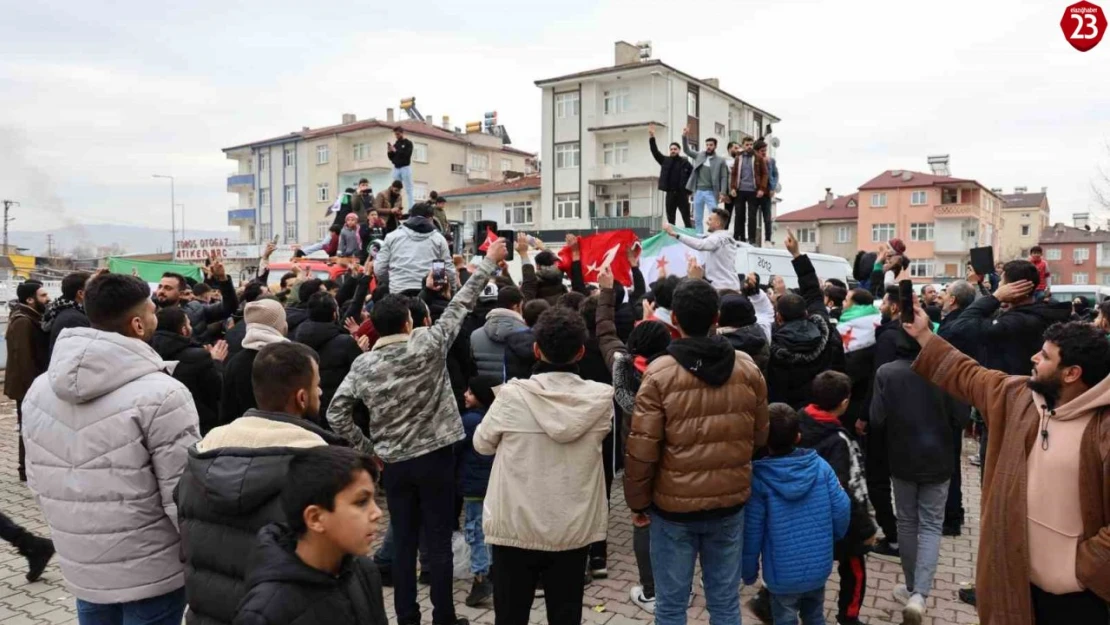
x=313 y=570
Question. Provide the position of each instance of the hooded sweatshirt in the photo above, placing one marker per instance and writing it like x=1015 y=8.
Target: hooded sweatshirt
x=547 y=487
x=407 y=254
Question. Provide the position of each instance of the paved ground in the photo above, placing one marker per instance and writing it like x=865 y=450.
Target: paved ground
x=607 y=601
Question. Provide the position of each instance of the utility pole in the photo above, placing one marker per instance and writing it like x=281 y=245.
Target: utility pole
x=173 y=218
x=50 y=245
x=7 y=205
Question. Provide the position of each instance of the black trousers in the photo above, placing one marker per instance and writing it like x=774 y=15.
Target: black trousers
x=877 y=466
x=421 y=496
x=610 y=452
x=22 y=450
x=853 y=585
x=758 y=206
x=735 y=208
x=954 y=507
x=12 y=532
x=679 y=201
x=1077 y=608
x=515 y=573
x=745 y=203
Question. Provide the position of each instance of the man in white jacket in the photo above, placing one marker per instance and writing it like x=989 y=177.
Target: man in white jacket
x=107 y=432
x=720 y=261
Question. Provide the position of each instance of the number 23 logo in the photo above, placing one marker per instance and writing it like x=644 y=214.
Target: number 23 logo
x=1083 y=24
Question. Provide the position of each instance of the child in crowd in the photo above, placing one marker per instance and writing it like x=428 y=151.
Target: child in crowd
x=349 y=243
x=1036 y=257
x=796 y=511
x=330 y=244
x=314 y=569
x=376 y=226
x=474 y=480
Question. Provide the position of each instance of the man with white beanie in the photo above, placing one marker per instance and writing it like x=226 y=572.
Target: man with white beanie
x=266 y=324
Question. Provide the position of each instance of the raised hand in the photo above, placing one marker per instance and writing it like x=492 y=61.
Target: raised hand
x=521 y=244
x=1013 y=292
x=694 y=271
x=364 y=343
x=919 y=329
x=651 y=130
x=791 y=243
x=605 y=278
x=217 y=351
x=649 y=310
x=498 y=250
x=218 y=271
x=351 y=325
x=634 y=252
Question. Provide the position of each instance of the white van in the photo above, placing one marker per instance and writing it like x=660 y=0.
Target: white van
x=1093 y=293
x=769 y=261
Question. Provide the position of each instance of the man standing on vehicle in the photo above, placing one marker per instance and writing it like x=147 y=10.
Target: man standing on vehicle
x=708 y=181
x=400 y=154
x=674 y=171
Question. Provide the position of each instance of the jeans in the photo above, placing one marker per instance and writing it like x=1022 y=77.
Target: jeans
x=1075 y=608
x=475 y=538
x=703 y=199
x=515 y=574
x=809 y=605
x=404 y=174
x=675 y=547
x=678 y=201
x=421 y=497
x=920 y=519
x=164 y=609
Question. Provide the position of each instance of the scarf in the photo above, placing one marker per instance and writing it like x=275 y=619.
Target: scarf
x=259 y=335
x=56 y=307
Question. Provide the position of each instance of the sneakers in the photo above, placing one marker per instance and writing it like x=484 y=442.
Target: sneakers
x=847 y=620
x=902 y=594
x=914 y=611
x=480 y=590
x=967 y=595
x=598 y=568
x=975 y=461
x=647 y=604
x=38 y=552
x=760 y=605
x=886 y=548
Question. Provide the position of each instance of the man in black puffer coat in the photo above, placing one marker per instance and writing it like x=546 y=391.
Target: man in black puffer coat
x=199 y=368
x=520 y=358
x=337 y=349
x=738 y=325
x=233 y=478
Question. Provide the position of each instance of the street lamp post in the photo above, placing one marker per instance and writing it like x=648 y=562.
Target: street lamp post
x=182 y=207
x=173 y=216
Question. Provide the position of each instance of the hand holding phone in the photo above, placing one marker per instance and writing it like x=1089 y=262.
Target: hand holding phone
x=439 y=272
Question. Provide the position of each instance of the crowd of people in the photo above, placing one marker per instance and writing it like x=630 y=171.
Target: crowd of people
x=220 y=448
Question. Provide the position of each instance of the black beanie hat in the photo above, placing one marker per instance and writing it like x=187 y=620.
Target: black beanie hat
x=482 y=387
x=736 y=311
x=649 y=339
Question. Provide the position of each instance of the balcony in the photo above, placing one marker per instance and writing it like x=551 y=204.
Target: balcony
x=237 y=216
x=956 y=211
x=240 y=182
x=626 y=223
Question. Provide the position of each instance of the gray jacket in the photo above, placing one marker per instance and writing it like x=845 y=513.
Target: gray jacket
x=718 y=170
x=487 y=343
x=407 y=253
x=107 y=434
x=404 y=383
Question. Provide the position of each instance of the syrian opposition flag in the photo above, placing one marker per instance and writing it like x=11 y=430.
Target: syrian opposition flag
x=604 y=249
x=857 y=327
x=664 y=253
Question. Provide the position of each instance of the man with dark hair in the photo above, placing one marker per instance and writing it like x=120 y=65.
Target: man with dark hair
x=700 y=413
x=720 y=249
x=390 y=203
x=68 y=311
x=764 y=190
x=663 y=291
x=413 y=424
x=674 y=171
x=540 y=521
x=202 y=293
x=109 y=490
x=28 y=350
x=204 y=318
x=232 y=482
x=407 y=254
x=296 y=309
x=487 y=343
x=266 y=323
x=199 y=368
x=520 y=358
x=708 y=180
x=804 y=342
x=439 y=218
x=337 y=349
x=1044 y=444
x=545 y=279
x=400 y=154
x=834 y=301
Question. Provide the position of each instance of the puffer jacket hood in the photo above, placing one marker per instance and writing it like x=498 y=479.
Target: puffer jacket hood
x=791 y=477
x=801 y=340
x=711 y=359
x=502 y=322
x=519 y=357
x=420 y=226
x=89 y=363
x=316 y=333
x=749 y=339
x=275 y=560
x=563 y=410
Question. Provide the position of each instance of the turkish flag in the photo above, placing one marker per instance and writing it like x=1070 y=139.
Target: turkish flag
x=491 y=236
x=601 y=250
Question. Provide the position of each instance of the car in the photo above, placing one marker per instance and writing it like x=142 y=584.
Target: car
x=1093 y=293
x=769 y=261
x=317 y=269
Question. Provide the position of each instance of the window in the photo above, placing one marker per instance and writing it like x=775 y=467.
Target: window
x=614 y=153
x=1052 y=253
x=567 y=156
x=250 y=233
x=322 y=228
x=322 y=192
x=616 y=101
x=263 y=161
x=264 y=197
x=719 y=130
x=506 y=164
x=360 y=151
x=264 y=232
x=923 y=268
x=290 y=157
x=617 y=206
x=843 y=234
x=518 y=213
x=921 y=232
x=757 y=125
x=420 y=152
x=290 y=231
x=419 y=191
x=568 y=206
x=692 y=104
x=919 y=198
x=1079 y=278
x=1106 y=279
x=458 y=168
x=479 y=162
x=881 y=233
x=322 y=154
x=471 y=213
x=878 y=200
x=807 y=235
x=1025 y=230
x=1081 y=254
x=290 y=193
x=566 y=105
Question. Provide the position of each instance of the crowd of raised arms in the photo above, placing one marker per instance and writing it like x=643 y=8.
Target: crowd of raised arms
x=221 y=449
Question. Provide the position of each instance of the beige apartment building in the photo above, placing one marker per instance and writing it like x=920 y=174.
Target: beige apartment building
x=286 y=184
x=827 y=227
x=1024 y=217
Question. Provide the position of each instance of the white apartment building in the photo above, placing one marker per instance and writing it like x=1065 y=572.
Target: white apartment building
x=598 y=171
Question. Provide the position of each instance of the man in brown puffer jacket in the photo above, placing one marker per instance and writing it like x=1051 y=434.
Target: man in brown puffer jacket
x=700 y=413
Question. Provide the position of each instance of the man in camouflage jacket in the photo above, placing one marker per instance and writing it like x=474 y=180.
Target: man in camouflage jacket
x=413 y=424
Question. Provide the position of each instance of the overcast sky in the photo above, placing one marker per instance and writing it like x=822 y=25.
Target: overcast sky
x=95 y=97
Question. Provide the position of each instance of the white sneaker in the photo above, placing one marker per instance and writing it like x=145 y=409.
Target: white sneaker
x=902 y=594
x=914 y=610
x=647 y=605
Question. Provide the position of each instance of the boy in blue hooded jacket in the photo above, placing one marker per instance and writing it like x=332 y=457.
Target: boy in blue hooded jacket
x=796 y=512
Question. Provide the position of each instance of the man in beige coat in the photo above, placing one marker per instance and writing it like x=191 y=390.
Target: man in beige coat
x=546 y=503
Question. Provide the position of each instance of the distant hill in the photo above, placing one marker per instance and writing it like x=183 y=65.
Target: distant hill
x=126 y=239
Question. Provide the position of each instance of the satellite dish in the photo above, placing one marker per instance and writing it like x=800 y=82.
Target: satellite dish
x=778 y=188
x=775 y=142
x=907 y=176
x=895 y=173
